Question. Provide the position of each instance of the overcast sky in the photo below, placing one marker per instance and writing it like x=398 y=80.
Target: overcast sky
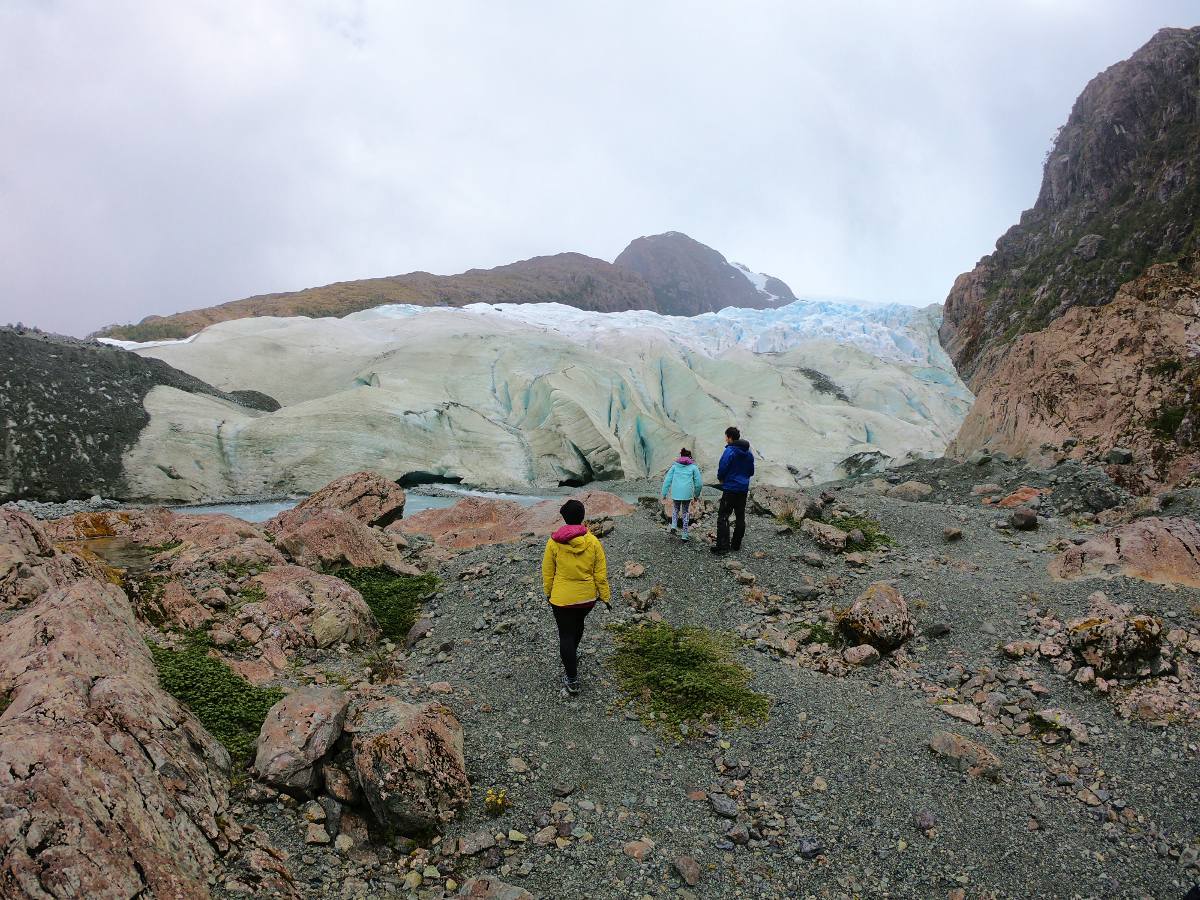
x=163 y=156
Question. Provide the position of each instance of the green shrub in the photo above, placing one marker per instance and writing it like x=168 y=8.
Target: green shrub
x=685 y=674
x=872 y=531
x=231 y=708
x=395 y=599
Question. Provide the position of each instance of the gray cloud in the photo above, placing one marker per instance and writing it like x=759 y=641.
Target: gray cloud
x=163 y=156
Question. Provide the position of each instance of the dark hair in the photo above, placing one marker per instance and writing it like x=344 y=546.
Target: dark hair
x=684 y=451
x=572 y=512
x=733 y=434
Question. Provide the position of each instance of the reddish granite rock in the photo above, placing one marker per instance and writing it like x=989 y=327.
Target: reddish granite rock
x=409 y=761
x=783 y=502
x=302 y=608
x=1163 y=551
x=825 y=536
x=1022 y=496
x=299 y=730
x=143 y=526
x=111 y=789
x=1114 y=641
x=29 y=563
x=476 y=521
x=965 y=755
x=330 y=539
x=879 y=617
x=371 y=499
x=488 y=888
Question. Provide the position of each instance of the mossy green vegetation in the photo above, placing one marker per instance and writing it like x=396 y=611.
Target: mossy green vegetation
x=231 y=708
x=1168 y=420
x=241 y=568
x=685 y=674
x=395 y=599
x=875 y=536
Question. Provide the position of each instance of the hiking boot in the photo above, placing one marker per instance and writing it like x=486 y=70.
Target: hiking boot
x=684 y=536
x=571 y=686
x=671 y=529
x=717 y=550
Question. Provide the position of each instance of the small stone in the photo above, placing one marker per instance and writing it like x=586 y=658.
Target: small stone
x=518 y=765
x=962 y=711
x=343 y=843
x=809 y=848
x=1023 y=519
x=951 y=534
x=441 y=687
x=723 y=806
x=634 y=570
x=924 y=820
x=688 y=869
x=862 y=655
x=820 y=785
x=316 y=834
x=515 y=837
x=412 y=881
x=639 y=850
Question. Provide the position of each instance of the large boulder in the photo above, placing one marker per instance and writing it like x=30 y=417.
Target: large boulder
x=825 y=536
x=365 y=496
x=965 y=755
x=1160 y=550
x=302 y=608
x=329 y=539
x=878 y=617
x=297 y=733
x=29 y=563
x=784 y=502
x=910 y=490
x=1115 y=642
x=409 y=761
x=109 y=788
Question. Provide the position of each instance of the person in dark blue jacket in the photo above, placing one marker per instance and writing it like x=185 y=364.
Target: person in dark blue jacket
x=734 y=472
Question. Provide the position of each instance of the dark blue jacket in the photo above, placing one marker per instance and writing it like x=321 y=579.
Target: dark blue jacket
x=736 y=467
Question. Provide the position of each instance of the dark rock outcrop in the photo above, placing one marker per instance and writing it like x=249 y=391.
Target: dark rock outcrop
x=689 y=278
x=74 y=408
x=1120 y=191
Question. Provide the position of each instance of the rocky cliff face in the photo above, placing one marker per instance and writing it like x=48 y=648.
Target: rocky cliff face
x=73 y=408
x=1120 y=191
x=1121 y=374
x=669 y=273
x=1031 y=328
x=689 y=278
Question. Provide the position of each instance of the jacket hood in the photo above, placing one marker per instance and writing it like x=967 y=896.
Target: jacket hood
x=743 y=445
x=568 y=533
x=685 y=460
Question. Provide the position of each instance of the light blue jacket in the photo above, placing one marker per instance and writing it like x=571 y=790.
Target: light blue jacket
x=683 y=480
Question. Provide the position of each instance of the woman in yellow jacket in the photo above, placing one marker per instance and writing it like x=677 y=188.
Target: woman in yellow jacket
x=574 y=577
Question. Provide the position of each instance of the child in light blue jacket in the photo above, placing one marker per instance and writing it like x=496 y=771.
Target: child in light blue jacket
x=683 y=484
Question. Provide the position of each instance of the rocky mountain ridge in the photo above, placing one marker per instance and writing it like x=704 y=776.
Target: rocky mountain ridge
x=1120 y=191
x=669 y=273
x=1081 y=325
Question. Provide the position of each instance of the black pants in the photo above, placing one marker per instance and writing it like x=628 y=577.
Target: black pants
x=735 y=503
x=570 y=632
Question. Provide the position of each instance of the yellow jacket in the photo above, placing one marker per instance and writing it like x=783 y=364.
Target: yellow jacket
x=573 y=568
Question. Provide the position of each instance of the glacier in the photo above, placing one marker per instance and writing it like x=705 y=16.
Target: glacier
x=502 y=395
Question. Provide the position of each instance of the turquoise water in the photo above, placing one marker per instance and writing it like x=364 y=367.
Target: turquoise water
x=260 y=512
